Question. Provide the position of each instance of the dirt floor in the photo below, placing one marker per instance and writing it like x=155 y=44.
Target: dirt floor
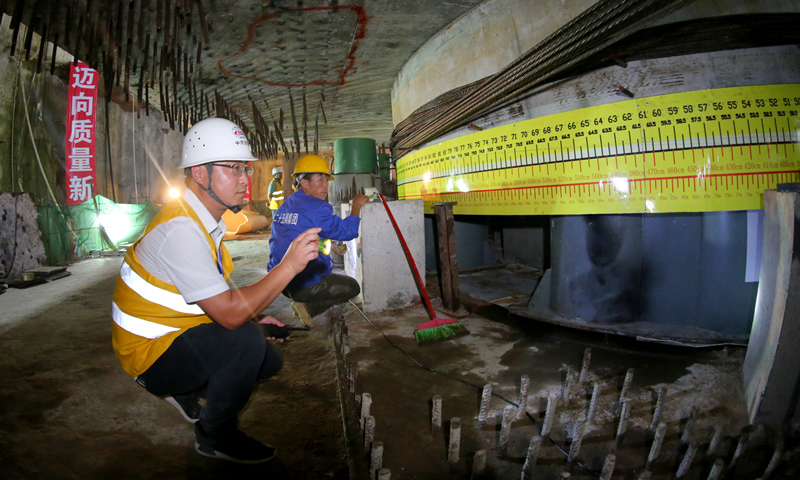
x=67 y=410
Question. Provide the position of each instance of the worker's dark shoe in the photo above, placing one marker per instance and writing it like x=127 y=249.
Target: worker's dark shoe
x=188 y=405
x=235 y=447
x=301 y=312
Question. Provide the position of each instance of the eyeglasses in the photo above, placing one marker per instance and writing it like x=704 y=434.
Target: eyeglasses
x=238 y=169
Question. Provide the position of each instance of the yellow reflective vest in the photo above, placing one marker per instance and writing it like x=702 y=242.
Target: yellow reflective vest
x=150 y=314
x=276 y=197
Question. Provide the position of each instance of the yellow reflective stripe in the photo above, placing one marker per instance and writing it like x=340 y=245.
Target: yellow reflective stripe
x=153 y=294
x=137 y=326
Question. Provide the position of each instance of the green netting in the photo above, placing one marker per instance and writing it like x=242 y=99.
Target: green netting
x=95 y=225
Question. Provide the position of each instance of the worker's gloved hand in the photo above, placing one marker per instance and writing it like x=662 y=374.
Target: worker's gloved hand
x=302 y=250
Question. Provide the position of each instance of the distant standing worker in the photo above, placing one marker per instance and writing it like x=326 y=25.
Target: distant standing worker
x=275 y=191
x=315 y=289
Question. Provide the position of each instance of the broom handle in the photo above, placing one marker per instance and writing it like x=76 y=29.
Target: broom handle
x=410 y=259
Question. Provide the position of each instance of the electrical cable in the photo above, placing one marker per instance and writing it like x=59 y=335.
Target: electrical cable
x=469 y=384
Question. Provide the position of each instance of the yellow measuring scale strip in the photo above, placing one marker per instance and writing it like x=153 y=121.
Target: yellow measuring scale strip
x=697 y=151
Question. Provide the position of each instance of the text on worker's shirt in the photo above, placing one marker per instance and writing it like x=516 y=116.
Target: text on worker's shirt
x=287 y=218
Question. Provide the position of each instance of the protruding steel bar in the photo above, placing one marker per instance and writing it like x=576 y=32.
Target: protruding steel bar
x=593 y=402
x=532 y=456
x=524 y=385
x=505 y=428
x=375 y=459
x=686 y=463
x=455 y=440
x=687 y=429
x=655 y=449
x=485 y=398
x=623 y=417
x=366 y=402
x=626 y=385
x=384 y=474
x=568 y=381
x=549 y=414
x=774 y=461
x=716 y=437
x=369 y=431
x=587 y=357
x=577 y=438
x=659 y=404
x=478 y=464
x=740 y=446
x=716 y=470
x=608 y=467
x=436 y=412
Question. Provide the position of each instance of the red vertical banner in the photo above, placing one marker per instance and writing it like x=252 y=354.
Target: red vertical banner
x=81 y=133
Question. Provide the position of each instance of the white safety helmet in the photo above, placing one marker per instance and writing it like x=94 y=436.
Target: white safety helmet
x=215 y=140
x=277 y=170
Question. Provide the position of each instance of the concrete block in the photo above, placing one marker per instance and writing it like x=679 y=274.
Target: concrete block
x=376 y=258
x=772 y=366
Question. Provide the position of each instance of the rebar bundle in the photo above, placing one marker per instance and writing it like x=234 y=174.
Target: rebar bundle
x=604 y=23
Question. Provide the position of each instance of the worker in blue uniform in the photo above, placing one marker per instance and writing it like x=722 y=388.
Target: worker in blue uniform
x=315 y=289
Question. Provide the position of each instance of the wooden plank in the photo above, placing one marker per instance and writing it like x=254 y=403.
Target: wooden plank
x=445 y=228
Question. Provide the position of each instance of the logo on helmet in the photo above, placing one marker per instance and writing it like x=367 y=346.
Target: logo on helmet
x=238 y=133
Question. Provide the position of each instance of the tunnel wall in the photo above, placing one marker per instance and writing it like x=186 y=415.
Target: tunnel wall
x=493 y=34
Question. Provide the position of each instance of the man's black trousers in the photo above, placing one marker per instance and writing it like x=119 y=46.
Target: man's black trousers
x=220 y=365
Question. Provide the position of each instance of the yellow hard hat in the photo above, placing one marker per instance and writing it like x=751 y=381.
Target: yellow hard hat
x=312 y=164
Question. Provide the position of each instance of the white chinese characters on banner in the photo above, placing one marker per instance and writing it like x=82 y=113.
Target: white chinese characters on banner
x=81 y=128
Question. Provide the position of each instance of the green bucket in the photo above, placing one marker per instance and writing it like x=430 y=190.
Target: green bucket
x=354 y=155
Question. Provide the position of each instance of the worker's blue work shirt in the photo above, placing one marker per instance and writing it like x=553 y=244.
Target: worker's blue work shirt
x=298 y=213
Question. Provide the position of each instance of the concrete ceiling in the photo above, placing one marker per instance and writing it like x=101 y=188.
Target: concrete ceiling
x=256 y=51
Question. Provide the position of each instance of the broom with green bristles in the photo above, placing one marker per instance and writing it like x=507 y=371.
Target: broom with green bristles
x=436 y=328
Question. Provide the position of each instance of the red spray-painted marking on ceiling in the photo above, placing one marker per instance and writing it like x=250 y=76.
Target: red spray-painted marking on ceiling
x=361 y=19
